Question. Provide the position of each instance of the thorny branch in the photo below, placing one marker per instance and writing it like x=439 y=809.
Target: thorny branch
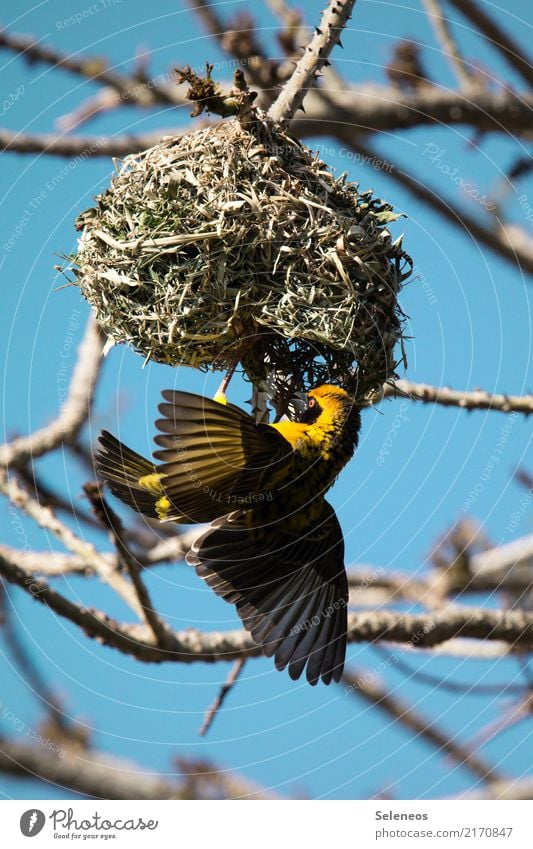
x=315 y=56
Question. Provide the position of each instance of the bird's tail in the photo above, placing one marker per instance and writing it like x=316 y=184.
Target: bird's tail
x=129 y=476
x=290 y=590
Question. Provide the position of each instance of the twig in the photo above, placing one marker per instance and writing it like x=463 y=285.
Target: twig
x=515 y=628
x=501 y=40
x=31 y=674
x=374 y=692
x=46 y=497
x=131 y=88
x=518 y=788
x=55 y=563
x=100 y=776
x=478 y=399
x=83 y=147
x=230 y=681
x=327 y=35
x=75 y=411
x=46 y=519
x=440 y=24
x=439 y=683
x=514 y=714
x=512 y=554
x=111 y=521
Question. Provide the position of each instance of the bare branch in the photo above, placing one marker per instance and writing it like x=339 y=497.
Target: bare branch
x=75 y=410
x=420 y=631
x=238 y=39
x=449 y=45
x=370 y=688
x=518 y=788
x=111 y=521
x=519 y=552
x=131 y=88
x=501 y=40
x=340 y=114
x=369 y=108
x=101 y=776
x=45 y=518
x=228 y=685
x=84 y=147
x=478 y=399
x=437 y=682
x=54 y=564
x=327 y=35
x=30 y=672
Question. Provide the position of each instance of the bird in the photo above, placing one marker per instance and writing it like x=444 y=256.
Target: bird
x=274 y=546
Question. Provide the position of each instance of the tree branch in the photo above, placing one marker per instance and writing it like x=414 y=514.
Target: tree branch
x=371 y=689
x=449 y=46
x=478 y=399
x=503 y=42
x=75 y=411
x=101 y=776
x=369 y=108
x=131 y=88
x=84 y=147
x=327 y=35
x=228 y=685
x=46 y=519
x=420 y=631
x=111 y=521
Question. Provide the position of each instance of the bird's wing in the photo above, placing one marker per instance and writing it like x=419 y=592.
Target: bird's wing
x=213 y=456
x=124 y=470
x=291 y=592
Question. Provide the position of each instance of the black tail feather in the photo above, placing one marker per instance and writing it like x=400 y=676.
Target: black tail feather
x=121 y=468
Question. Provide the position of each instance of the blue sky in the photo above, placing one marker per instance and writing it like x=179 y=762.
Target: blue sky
x=470 y=319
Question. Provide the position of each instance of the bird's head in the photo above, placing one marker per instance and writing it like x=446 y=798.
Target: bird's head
x=328 y=399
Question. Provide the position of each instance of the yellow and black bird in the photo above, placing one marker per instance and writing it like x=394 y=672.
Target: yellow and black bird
x=274 y=547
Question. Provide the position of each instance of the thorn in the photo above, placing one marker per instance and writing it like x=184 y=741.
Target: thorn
x=301 y=107
x=340 y=44
x=327 y=63
x=318 y=31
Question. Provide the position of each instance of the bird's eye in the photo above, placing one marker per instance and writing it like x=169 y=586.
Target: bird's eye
x=311 y=403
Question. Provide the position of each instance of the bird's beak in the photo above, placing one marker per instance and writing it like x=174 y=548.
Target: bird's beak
x=298 y=405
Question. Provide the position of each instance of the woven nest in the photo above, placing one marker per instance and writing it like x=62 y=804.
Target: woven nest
x=230 y=244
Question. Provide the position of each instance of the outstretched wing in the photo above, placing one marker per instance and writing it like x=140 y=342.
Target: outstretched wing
x=213 y=456
x=291 y=592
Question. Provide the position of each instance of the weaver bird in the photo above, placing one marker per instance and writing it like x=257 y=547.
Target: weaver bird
x=274 y=547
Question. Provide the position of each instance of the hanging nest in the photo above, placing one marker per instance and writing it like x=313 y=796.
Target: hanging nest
x=237 y=243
